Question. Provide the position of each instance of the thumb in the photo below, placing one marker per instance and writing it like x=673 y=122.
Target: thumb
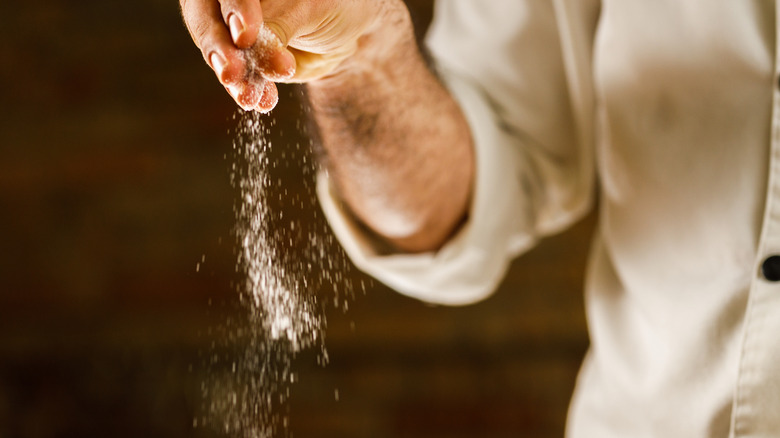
x=305 y=40
x=268 y=57
x=283 y=21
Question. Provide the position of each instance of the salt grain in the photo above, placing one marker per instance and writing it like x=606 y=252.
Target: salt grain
x=287 y=263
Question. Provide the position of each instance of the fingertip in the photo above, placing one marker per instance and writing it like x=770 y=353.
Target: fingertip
x=250 y=97
x=249 y=37
x=247 y=96
x=244 y=34
x=272 y=45
x=243 y=18
x=281 y=65
x=229 y=67
x=269 y=99
x=272 y=61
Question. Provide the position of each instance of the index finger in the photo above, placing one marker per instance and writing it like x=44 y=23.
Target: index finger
x=204 y=21
x=243 y=18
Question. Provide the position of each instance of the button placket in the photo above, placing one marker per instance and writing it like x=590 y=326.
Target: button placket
x=755 y=400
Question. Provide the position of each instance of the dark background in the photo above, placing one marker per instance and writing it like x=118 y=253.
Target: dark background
x=114 y=184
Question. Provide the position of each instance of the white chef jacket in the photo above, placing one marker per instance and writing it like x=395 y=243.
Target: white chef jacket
x=670 y=111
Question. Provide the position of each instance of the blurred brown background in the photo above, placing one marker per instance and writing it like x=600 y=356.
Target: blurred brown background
x=114 y=184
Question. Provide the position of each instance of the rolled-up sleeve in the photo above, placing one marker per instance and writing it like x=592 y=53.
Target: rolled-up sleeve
x=506 y=66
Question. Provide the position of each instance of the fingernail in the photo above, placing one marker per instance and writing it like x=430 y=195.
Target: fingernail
x=236 y=27
x=234 y=90
x=218 y=63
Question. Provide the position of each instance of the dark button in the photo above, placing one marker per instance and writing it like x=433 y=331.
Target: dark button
x=771 y=268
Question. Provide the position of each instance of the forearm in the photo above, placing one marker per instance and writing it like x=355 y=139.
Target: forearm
x=398 y=148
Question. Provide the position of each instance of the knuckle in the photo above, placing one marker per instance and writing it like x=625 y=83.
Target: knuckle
x=281 y=29
x=200 y=32
x=188 y=12
x=197 y=22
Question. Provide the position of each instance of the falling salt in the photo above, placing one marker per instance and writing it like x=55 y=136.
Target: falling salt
x=290 y=265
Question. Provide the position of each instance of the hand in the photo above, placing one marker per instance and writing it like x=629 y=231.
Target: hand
x=252 y=44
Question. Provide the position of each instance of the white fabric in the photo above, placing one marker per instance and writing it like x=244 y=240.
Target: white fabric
x=674 y=105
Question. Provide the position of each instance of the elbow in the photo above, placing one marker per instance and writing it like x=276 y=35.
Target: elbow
x=415 y=231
